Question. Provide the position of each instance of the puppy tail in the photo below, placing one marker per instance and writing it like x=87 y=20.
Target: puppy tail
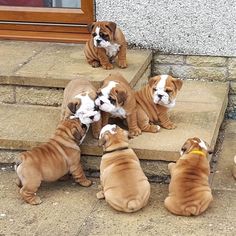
x=134 y=205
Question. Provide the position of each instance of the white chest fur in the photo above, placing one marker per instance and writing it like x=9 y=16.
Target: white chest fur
x=119 y=112
x=112 y=49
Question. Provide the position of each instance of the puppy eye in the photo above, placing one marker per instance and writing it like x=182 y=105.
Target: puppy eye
x=84 y=126
x=154 y=89
x=168 y=90
x=101 y=34
x=99 y=94
x=113 y=101
x=94 y=34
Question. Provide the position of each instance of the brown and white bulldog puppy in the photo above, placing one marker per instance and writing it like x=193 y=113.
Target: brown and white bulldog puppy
x=52 y=160
x=154 y=100
x=124 y=185
x=189 y=190
x=107 y=41
x=79 y=102
x=116 y=99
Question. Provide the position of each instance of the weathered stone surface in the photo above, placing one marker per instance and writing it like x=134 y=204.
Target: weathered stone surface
x=54 y=65
x=8 y=156
x=199 y=112
x=161 y=69
x=232 y=62
x=233 y=88
x=168 y=59
x=39 y=96
x=232 y=74
x=223 y=179
x=206 y=61
x=143 y=80
x=7 y=94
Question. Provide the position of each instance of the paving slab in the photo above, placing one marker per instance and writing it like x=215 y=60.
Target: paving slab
x=55 y=64
x=23 y=127
x=69 y=209
x=223 y=179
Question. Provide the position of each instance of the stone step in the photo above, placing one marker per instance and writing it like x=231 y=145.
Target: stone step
x=199 y=112
x=36 y=72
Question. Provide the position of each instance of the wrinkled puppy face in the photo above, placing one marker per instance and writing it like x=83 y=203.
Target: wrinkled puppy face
x=84 y=108
x=102 y=33
x=164 y=90
x=77 y=130
x=195 y=144
x=111 y=97
x=111 y=135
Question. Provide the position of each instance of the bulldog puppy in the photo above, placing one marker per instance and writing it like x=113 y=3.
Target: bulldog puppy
x=116 y=99
x=154 y=100
x=107 y=41
x=52 y=160
x=79 y=102
x=189 y=191
x=125 y=186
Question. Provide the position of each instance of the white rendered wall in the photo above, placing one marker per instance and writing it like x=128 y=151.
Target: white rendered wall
x=193 y=27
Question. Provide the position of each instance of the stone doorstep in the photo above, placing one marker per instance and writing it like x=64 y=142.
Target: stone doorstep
x=53 y=65
x=199 y=112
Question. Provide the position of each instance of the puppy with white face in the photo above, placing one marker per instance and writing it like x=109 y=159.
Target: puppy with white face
x=79 y=102
x=189 y=190
x=124 y=185
x=154 y=100
x=116 y=99
x=107 y=41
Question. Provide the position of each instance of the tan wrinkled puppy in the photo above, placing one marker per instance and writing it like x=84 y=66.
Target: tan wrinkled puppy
x=107 y=41
x=154 y=100
x=125 y=186
x=116 y=99
x=79 y=102
x=189 y=191
x=52 y=160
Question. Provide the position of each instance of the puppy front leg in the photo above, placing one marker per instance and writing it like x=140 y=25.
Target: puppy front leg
x=134 y=130
x=171 y=167
x=105 y=118
x=104 y=60
x=79 y=176
x=122 y=56
x=165 y=121
x=96 y=128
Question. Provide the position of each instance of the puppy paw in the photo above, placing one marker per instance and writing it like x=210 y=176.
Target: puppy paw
x=169 y=126
x=35 y=201
x=107 y=66
x=100 y=195
x=154 y=128
x=122 y=64
x=95 y=64
x=134 y=132
x=85 y=183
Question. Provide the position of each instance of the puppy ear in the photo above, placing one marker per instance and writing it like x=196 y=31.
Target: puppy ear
x=111 y=26
x=178 y=83
x=103 y=140
x=152 y=81
x=90 y=27
x=121 y=97
x=73 y=106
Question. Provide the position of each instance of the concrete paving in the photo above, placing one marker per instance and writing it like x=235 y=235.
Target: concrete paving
x=69 y=209
x=55 y=64
x=199 y=112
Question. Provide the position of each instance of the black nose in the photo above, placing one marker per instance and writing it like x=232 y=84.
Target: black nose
x=101 y=102
x=96 y=108
x=99 y=41
x=160 y=96
x=91 y=117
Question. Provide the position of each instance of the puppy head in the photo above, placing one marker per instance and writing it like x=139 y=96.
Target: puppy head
x=102 y=32
x=112 y=136
x=74 y=129
x=164 y=89
x=111 y=96
x=84 y=108
x=195 y=144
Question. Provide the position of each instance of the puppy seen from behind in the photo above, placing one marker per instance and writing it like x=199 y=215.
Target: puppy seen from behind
x=107 y=41
x=189 y=190
x=52 y=160
x=124 y=185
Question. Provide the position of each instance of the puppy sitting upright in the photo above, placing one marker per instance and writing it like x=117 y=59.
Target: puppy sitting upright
x=52 y=160
x=154 y=100
x=189 y=191
x=106 y=42
x=116 y=99
x=125 y=187
x=79 y=102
